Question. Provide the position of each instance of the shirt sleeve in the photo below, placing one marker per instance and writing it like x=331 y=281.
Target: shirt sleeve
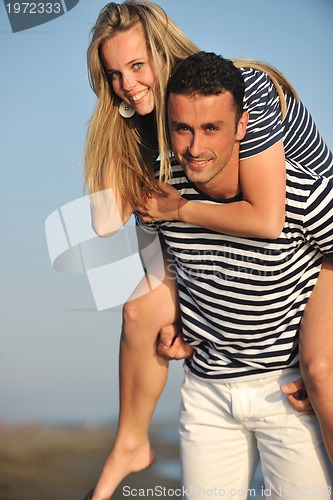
x=261 y=101
x=318 y=217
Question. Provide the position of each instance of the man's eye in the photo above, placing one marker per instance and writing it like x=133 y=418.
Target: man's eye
x=211 y=128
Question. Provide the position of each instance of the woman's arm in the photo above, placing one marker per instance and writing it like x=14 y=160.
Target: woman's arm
x=108 y=213
x=260 y=214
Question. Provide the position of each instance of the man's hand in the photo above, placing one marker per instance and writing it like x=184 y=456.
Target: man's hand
x=171 y=344
x=297 y=395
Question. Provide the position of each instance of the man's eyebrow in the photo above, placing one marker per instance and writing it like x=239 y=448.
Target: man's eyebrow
x=178 y=124
x=218 y=123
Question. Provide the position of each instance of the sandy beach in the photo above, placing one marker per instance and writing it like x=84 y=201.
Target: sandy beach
x=63 y=463
x=59 y=463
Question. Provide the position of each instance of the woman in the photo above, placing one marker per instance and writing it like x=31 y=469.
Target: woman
x=135 y=46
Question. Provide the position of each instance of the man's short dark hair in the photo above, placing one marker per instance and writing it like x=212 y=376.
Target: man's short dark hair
x=206 y=73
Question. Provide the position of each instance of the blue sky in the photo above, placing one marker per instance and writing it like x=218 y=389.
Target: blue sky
x=59 y=355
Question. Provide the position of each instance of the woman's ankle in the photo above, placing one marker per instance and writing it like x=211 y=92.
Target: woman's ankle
x=130 y=443
x=119 y=465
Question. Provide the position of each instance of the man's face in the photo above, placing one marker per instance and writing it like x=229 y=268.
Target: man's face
x=205 y=136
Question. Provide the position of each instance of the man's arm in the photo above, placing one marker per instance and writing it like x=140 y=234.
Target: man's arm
x=297 y=395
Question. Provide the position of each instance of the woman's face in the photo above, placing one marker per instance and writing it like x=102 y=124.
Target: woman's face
x=131 y=69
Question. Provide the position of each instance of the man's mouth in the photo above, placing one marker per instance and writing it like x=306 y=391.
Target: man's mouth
x=196 y=163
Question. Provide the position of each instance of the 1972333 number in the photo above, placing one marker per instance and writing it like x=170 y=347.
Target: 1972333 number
x=33 y=8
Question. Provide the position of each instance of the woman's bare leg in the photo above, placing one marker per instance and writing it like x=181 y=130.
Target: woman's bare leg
x=143 y=375
x=316 y=351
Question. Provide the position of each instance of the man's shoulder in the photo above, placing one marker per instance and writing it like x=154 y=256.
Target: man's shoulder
x=297 y=171
x=303 y=186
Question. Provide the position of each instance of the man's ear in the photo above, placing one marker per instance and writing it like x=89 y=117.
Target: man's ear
x=241 y=126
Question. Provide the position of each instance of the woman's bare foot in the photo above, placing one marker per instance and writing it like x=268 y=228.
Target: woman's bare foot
x=121 y=462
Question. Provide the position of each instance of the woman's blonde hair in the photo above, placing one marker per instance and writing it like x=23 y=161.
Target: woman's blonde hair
x=120 y=152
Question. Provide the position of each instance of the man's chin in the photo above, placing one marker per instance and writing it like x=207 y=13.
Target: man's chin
x=195 y=176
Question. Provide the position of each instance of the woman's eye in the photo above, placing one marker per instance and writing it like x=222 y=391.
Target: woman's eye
x=138 y=65
x=114 y=75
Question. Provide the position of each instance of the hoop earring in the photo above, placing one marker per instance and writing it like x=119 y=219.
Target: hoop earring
x=125 y=110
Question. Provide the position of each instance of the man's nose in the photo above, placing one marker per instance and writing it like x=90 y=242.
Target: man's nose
x=195 y=147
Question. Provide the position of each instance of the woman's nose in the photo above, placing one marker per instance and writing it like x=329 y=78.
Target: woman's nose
x=128 y=83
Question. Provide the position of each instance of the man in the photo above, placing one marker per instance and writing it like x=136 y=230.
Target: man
x=241 y=302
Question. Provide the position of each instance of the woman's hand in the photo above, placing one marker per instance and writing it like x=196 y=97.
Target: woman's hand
x=159 y=207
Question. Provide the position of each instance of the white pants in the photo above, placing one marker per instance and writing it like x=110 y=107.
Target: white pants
x=226 y=428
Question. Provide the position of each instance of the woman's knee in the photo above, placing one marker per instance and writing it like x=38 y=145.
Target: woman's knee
x=138 y=312
x=317 y=371
x=151 y=311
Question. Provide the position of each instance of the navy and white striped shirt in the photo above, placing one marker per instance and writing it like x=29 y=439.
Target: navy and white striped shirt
x=241 y=298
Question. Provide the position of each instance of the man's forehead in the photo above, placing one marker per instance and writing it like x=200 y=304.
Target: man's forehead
x=224 y=96
x=210 y=108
